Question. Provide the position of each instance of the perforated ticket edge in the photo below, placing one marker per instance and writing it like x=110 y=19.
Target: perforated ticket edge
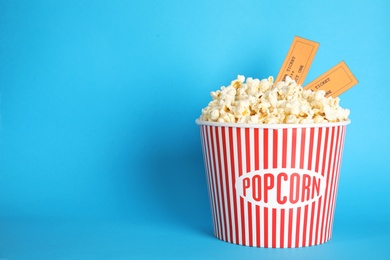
x=331 y=87
x=311 y=48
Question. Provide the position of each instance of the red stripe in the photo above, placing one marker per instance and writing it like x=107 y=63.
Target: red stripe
x=310 y=166
x=305 y=224
x=291 y=211
x=318 y=149
x=208 y=171
x=325 y=154
x=311 y=149
x=275 y=165
x=257 y=156
x=297 y=227
x=324 y=157
x=242 y=221
x=216 y=205
x=328 y=184
x=258 y=226
x=265 y=227
x=247 y=150
x=317 y=166
x=289 y=240
x=333 y=159
x=250 y=225
x=301 y=166
x=275 y=149
x=257 y=167
x=340 y=145
x=265 y=153
x=265 y=149
x=282 y=214
x=232 y=166
x=294 y=147
x=318 y=220
x=284 y=149
x=313 y=206
x=302 y=157
x=274 y=228
x=248 y=169
x=225 y=156
x=239 y=152
x=212 y=183
x=284 y=165
x=333 y=184
x=223 y=213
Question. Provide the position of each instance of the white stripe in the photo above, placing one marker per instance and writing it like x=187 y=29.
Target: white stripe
x=206 y=162
x=217 y=181
x=288 y=165
x=208 y=171
x=278 y=227
x=330 y=184
x=298 y=147
x=244 y=170
x=261 y=148
x=280 y=148
x=219 y=164
x=313 y=165
x=252 y=168
x=269 y=227
x=270 y=148
x=254 y=225
x=285 y=232
x=335 y=174
x=297 y=165
x=306 y=166
x=308 y=242
x=326 y=157
x=278 y=211
x=213 y=181
x=294 y=227
x=337 y=171
x=221 y=182
x=270 y=166
x=223 y=186
x=289 y=147
x=229 y=186
x=239 y=231
x=320 y=170
x=301 y=223
x=314 y=149
x=261 y=211
x=321 y=155
x=286 y=211
x=307 y=147
x=252 y=150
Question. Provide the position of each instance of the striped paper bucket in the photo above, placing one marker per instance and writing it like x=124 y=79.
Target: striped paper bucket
x=272 y=185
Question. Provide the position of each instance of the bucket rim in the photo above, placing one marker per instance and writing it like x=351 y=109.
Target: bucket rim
x=271 y=126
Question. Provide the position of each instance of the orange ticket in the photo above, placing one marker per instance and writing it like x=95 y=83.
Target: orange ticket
x=298 y=60
x=335 y=81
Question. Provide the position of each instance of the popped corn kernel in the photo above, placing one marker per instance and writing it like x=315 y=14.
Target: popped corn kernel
x=249 y=100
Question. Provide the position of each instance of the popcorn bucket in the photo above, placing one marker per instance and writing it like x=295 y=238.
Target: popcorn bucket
x=272 y=186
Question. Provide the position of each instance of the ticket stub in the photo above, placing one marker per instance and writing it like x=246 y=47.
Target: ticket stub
x=298 y=60
x=335 y=81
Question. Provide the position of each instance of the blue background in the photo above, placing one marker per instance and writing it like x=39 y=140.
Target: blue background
x=100 y=155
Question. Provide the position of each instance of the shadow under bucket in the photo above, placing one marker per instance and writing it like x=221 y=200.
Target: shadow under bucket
x=272 y=185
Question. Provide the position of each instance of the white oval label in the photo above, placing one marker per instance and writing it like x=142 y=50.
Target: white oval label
x=281 y=188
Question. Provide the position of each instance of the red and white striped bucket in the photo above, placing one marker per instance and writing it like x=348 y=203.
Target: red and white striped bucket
x=272 y=185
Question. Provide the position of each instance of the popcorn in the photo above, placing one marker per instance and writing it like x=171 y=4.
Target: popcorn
x=257 y=101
